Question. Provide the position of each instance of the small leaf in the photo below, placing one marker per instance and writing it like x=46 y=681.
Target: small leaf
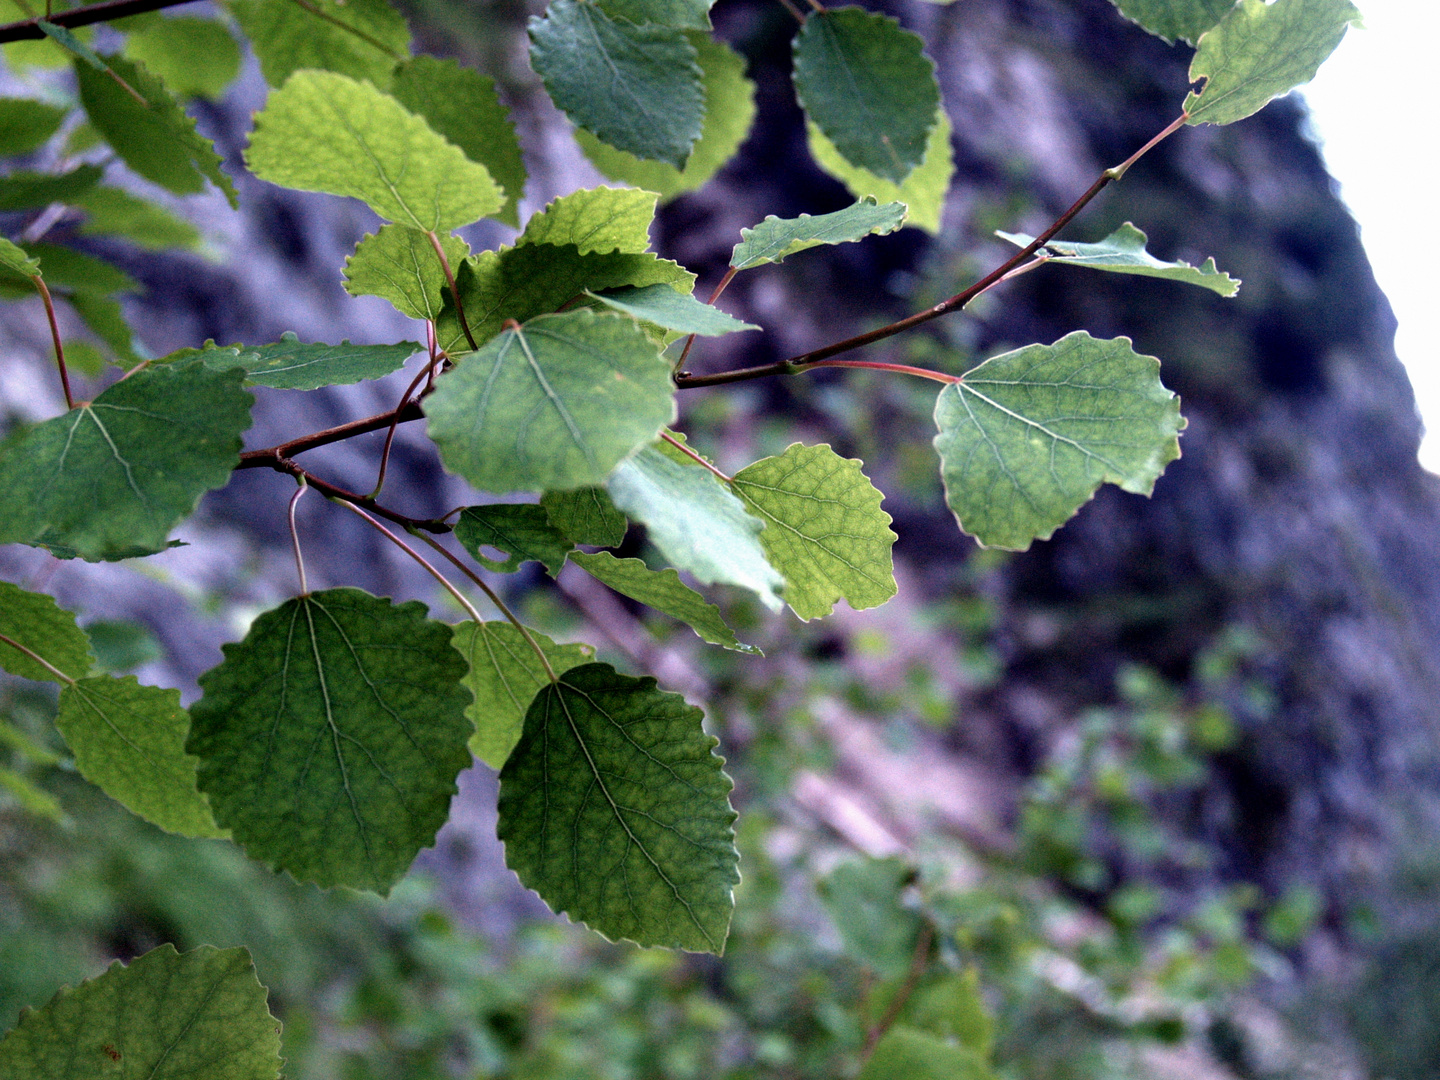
x=45 y=628
x=1259 y=51
x=330 y=738
x=906 y=1054
x=129 y=741
x=398 y=264
x=1184 y=20
x=556 y=403
x=954 y=1007
x=521 y=531
x=663 y=306
x=193 y=57
x=159 y=142
x=197 y=1015
x=325 y=132
x=687 y=14
x=615 y=809
x=22 y=190
x=27 y=125
x=112 y=212
x=462 y=105
x=370 y=36
x=696 y=522
x=291 y=364
x=16 y=259
x=537 y=279
x=596 y=221
x=505 y=675
x=652 y=104
x=729 y=112
x=824 y=529
x=867 y=84
x=863 y=898
x=774 y=238
x=1027 y=437
x=923 y=191
x=664 y=591
x=75 y=271
x=585 y=516
x=112 y=477
x=1123 y=252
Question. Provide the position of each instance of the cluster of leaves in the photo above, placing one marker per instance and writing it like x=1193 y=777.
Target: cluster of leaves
x=328 y=741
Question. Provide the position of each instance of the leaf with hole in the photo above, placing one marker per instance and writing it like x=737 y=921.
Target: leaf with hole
x=46 y=629
x=505 y=675
x=522 y=531
x=112 y=477
x=325 y=132
x=666 y=308
x=554 y=404
x=615 y=809
x=1027 y=437
x=774 y=239
x=1123 y=252
x=923 y=191
x=197 y=1015
x=824 y=529
x=652 y=104
x=358 y=38
x=330 y=738
x=399 y=264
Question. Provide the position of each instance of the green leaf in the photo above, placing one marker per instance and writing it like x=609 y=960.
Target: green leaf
x=586 y=516
x=615 y=809
x=112 y=477
x=596 y=221
x=75 y=271
x=775 y=238
x=129 y=741
x=197 y=1015
x=663 y=306
x=664 y=591
x=863 y=898
x=1027 y=437
x=536 y=279
x=906 y=1054
x=106 y=320
x=1123 y=252
x=556 y=403
x=505 y=676
x=32 y=799
x=22 y=190
x=330 y=738
x=522 y=531
x=358 y=38
x=462 y=105
x=193 y=57
x=398 y=264
x=652 y=104
x=1259 y=51
x=291 y=364
x=325 y=132
x=954 y=1007
x=111 y=211
x=867 y=84
x=824 y=529
x=160 y=142
x=16 y=259
x=120 y=645
x=696 y=522
x=687 y=14
x=27 y=125
x=1172 y=19
x=66 y=39
x=923 y=191
x=729 y=112
x=84 y=357
x=43 y=627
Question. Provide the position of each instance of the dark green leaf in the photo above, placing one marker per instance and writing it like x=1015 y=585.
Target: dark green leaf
x=77 y=272
x=22 y=190
x=160 y=142
x=906 y=1054
x=663 y=306
x=66 y=39
x=556 y=403
x=868 y=86
x=864 y=899
x=106 y=320
x=1123 y=252
x=505 y=674
x=586 y=516
x=31 y=799
x=129 y=741
x=1172 y=19
x=462 y=106
x=596 y=220
x=824 y=529
x=111 y=211
x=1027 y=437
x=615 y=809
x=120 y=645
x=291 y=364
x=687 y=14
x=399 y=264
x=664 y=591
x=325 y=132
x=26 y=125
x=696 y=522
x=522 y=531
x=330 y=738
x=923 y=191
x=358 y=38
x=197 y=1015
x=1259 y=51
x=652 y=104
x=46 y=629
x=194 y=57
x=775 y=238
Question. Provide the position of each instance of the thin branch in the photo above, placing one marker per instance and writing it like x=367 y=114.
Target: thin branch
x=692 y=454
x=793 y=10
x=284 y=465
x=450 y=279
x=374 y=42
x=394 y=423
x=39 y=284
x=37 y=658
x=383 y=531
x=901 y=369
x=295 y=538
x=28 y=30
x=919 y=961
x=266 y=458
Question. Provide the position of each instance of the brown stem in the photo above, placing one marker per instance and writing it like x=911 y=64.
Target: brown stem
x=692 y=454
x=295 y=538
x=395 y=422
x=29 y=30
x=37 y=658
x=789 y=6
x=919 y=961
x=454 y=292
x=266 y=458
x=282 y=464
x=39 y=283
x=901 y=369
x=730 y=273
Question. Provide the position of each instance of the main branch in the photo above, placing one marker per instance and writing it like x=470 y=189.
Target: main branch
x=29 y=29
